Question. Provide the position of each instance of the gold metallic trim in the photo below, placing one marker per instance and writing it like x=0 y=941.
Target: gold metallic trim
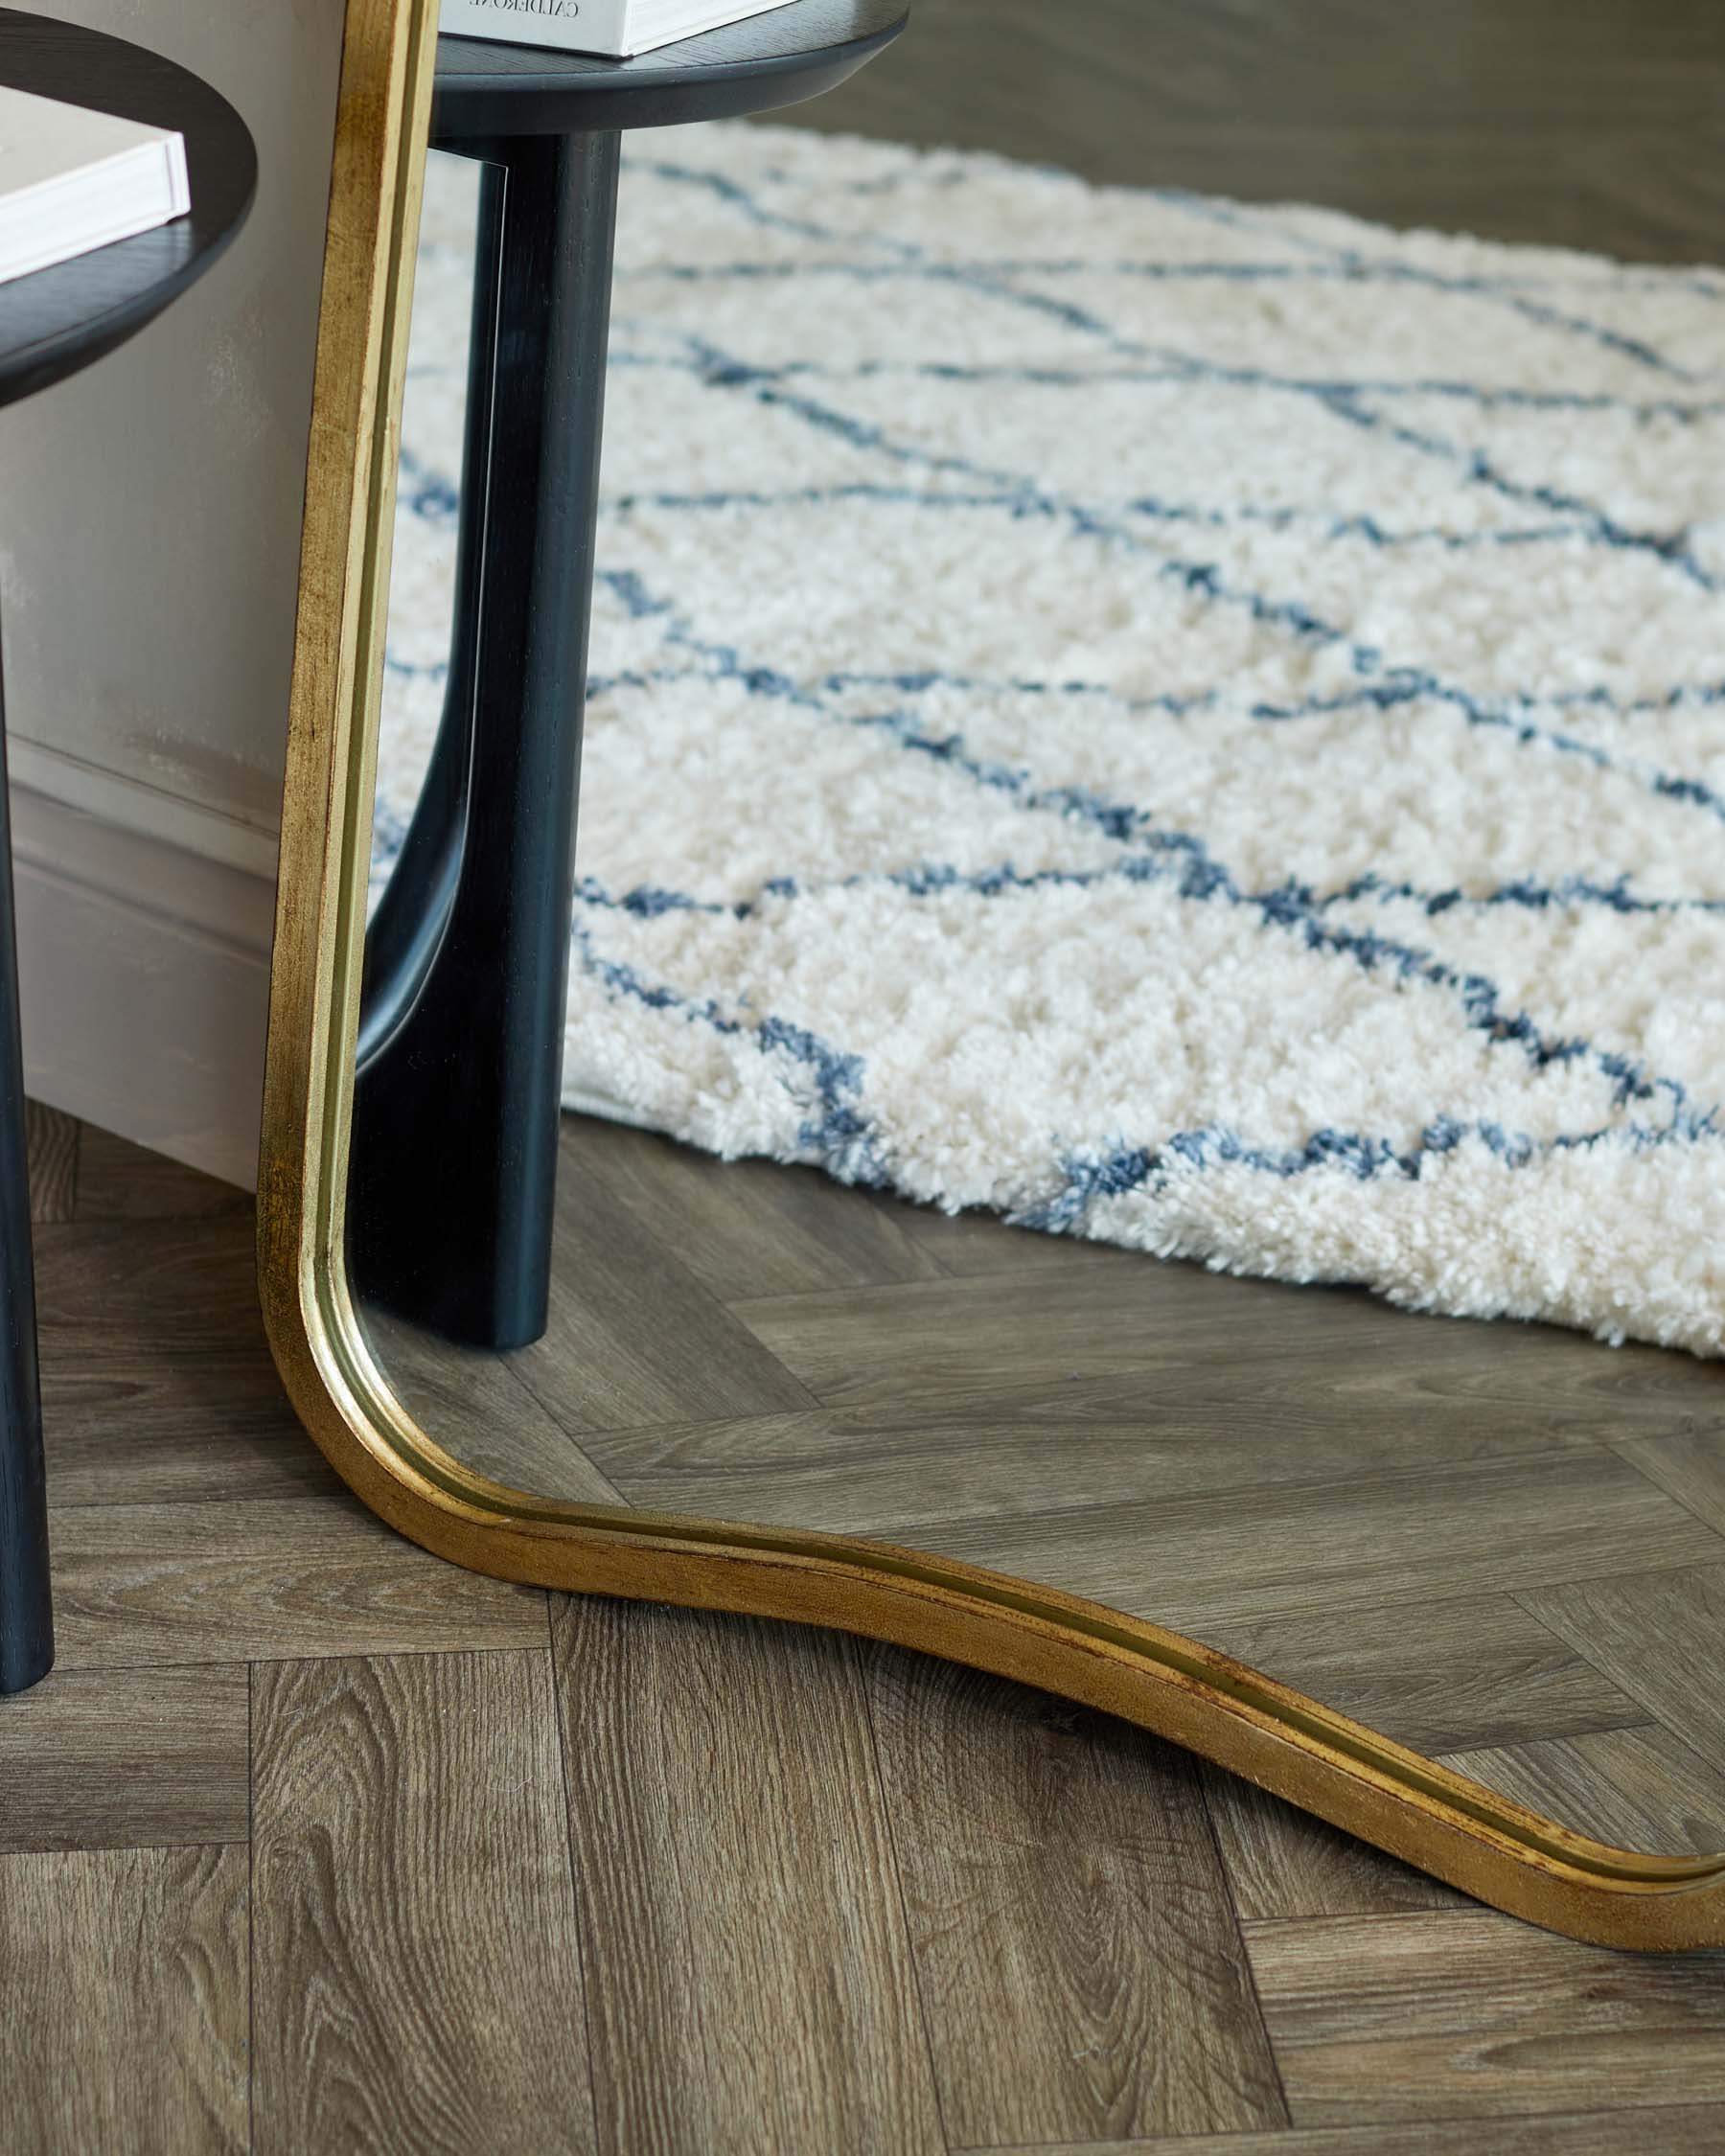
x=1418 y=1810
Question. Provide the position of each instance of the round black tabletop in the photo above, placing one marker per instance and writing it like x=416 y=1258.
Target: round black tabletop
x=790 y=53
x=55 y=321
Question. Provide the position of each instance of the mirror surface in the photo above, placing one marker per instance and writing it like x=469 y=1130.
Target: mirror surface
x=1501 y=1544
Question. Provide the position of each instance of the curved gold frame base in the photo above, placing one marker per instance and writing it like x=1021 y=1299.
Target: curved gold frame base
x=1347 y=1773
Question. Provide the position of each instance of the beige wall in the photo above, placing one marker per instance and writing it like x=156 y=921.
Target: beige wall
x=150 y=516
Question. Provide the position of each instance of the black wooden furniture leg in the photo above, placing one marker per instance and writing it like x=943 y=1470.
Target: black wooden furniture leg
x=456 y=1113
x=26 y=1620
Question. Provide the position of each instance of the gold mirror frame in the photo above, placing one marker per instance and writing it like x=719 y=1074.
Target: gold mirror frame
x=1418 y=1810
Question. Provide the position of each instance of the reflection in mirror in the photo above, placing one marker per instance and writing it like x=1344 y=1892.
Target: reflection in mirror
x=983 y=803
x=422 y=592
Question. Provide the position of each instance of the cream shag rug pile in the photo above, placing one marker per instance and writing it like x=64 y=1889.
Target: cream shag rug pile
x=1197 y=726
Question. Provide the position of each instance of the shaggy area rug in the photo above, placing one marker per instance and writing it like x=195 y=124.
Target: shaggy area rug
x=1192 y=724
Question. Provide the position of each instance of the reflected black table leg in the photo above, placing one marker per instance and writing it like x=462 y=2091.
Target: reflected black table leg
x=26 y=1616
x=455 y=1114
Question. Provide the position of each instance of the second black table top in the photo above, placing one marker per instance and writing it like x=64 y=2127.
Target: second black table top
x=791 y=52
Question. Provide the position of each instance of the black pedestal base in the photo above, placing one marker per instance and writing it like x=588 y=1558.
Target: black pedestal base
x=455 y=1114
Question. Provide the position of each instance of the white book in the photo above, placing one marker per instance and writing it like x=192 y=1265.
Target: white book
x=72 y=180
x=614 y=29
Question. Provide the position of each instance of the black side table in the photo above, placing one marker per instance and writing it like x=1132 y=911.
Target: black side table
x=53 y=323
x=460 y=1035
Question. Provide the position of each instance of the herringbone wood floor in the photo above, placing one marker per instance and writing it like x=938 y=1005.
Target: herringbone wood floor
x=311 y=1842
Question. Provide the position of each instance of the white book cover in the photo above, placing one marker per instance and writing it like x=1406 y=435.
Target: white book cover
x=613 y=29
x=72 y=180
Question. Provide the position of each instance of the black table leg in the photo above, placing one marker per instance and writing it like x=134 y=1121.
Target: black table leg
x=26 y=1614
x=454 y=1152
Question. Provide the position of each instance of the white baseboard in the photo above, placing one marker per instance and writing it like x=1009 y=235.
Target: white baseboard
x=145 y=924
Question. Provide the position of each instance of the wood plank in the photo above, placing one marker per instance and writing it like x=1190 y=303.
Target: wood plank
x=634 y=1337
x=152 y=1428
x=749 y=1979
x=976 y=1245
x=1456 y=121
x=417 y=1979
x=178 y=1287
x=475 y=1405
x=1658 y=1636
x=123 y=2001
x=1079 y=1965
x=137 y=1585
x=51 y=1145
x=749 y=1228
x=1693 y=2129
x=1210 y=1348
x=1471 y=2015
x=120 y=1180
x=1687 y=1464
x=1472 y=1672
x=1638 y=1788
x=157 y=1381
x=94 y=1761
x=903 y=1346
x=1059 y=1445
x=1299 y=1550
x=1280 y=1861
